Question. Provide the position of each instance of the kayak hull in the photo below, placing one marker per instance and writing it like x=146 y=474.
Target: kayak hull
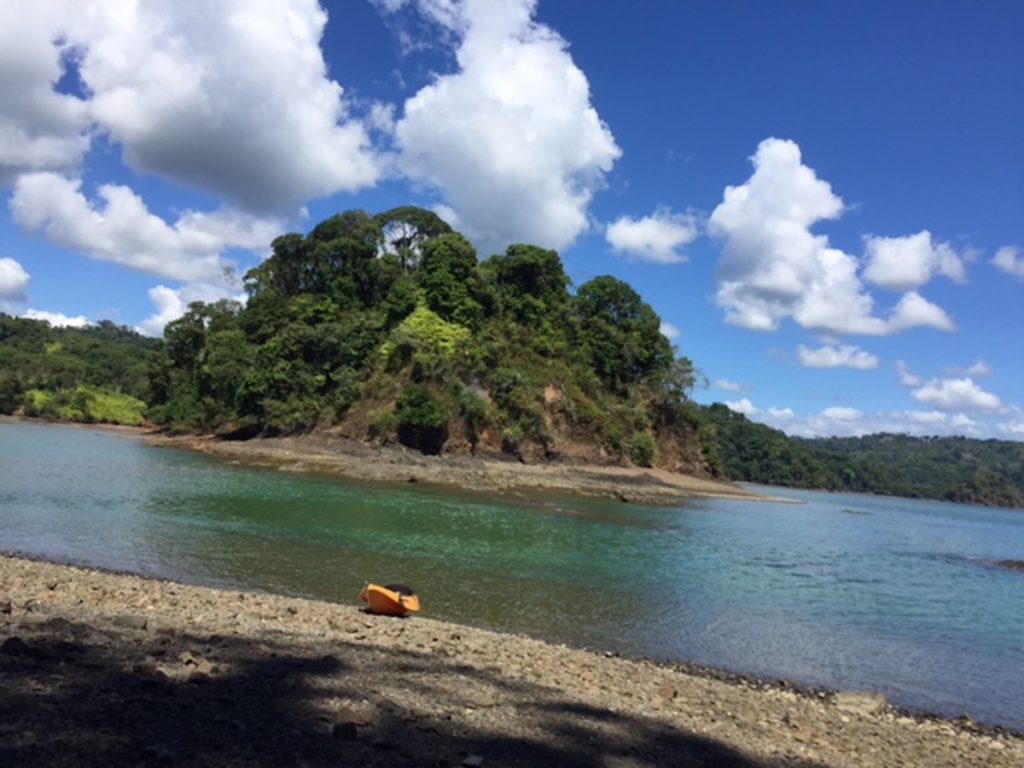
x=388 y=602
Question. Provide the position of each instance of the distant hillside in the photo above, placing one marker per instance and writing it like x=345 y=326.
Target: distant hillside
x=951 y=468
x=94 y=374
x=387 y=328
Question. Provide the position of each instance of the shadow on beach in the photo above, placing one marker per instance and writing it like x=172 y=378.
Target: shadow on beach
x=75 y=694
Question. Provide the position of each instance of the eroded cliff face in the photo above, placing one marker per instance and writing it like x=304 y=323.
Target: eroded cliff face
x=564 y=437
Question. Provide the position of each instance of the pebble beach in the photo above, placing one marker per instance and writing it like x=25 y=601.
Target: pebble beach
x=112 y=669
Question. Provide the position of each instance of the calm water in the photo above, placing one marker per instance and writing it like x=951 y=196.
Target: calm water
x=843 y=591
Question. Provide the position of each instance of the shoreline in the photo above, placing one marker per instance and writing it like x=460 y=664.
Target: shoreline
x=348 y=458
x=125 y=660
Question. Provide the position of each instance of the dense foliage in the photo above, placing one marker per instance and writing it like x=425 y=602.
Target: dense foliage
x=950 y=468
x=93 y=374
x=388 y=327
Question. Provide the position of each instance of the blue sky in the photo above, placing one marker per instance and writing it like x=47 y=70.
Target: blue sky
x=821 y=199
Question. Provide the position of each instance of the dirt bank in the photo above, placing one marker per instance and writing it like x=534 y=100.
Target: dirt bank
x=351 y=458
x=102 y=669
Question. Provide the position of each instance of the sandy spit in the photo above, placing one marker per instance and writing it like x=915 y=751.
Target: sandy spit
x=350 y=458
x=104 y=669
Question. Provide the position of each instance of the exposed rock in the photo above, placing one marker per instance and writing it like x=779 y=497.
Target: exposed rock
x=1011 y=565
x=131 y=621
x=860 y=703
x=666 y=692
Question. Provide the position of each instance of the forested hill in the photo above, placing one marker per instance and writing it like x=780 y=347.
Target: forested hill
x=99 y=373
x=951 y=468
x=388 y=328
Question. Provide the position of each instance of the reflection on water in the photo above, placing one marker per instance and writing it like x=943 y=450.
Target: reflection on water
x=841 y=590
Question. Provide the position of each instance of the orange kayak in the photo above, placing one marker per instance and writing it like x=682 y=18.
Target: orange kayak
x=390 y=599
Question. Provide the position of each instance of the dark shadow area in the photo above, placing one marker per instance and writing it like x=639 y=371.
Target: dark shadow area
x=72 y=694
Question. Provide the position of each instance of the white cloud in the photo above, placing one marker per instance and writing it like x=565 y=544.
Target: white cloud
x=13 y=280
x=963 y=421
x=1008 y=259
x=914 y=311
x=58 y=319
x=841 y=413
x=743 y=406
x=978 y=369
x=169 y=307
x=657 y=238
x=851 y=422
x=727 y=386
x=40 y=129
x=171 y=304
x=668 y=330
x=122 y=230
x=228 y=96
x=956 y=394
x=510 y=139
x=906 y=263
x=841 y=356
x=907 y=377
x=774 y=267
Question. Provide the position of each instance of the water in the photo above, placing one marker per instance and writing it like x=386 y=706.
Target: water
x=840 y=590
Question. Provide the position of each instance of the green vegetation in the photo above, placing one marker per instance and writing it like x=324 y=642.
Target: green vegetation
x=950 y=468
x=388 y=328
x=94 y=374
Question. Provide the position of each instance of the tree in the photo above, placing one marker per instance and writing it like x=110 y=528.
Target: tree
x=449 y=279
x=620 y=335
x=405 y=230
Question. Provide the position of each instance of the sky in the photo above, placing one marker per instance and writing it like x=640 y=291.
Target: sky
x=824 y=201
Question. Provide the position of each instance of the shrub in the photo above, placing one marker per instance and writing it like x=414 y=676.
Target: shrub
x=474 y=411
x=382 y=421
x=641 y=450
x=422 y=419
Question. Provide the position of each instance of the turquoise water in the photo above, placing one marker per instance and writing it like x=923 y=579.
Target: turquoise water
x=840 y=590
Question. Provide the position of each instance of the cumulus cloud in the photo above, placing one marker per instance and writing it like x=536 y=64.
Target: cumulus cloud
x=841 y=413
x=956 y=395
x=1009 y=260
x=40 y=129
x=907 y=263
x=976 y=370
x=727 y=386
x=773 y=266
x=657 y=238
x=13 y=280
x=850 y=422
x=837 y=356
x=120 y=229
x=58 y=319
x=171 y=303
x=907 y=377
x=913 y=311
x=228 y=96
x=743 y=406
x=510 y=139
x=668 y=330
